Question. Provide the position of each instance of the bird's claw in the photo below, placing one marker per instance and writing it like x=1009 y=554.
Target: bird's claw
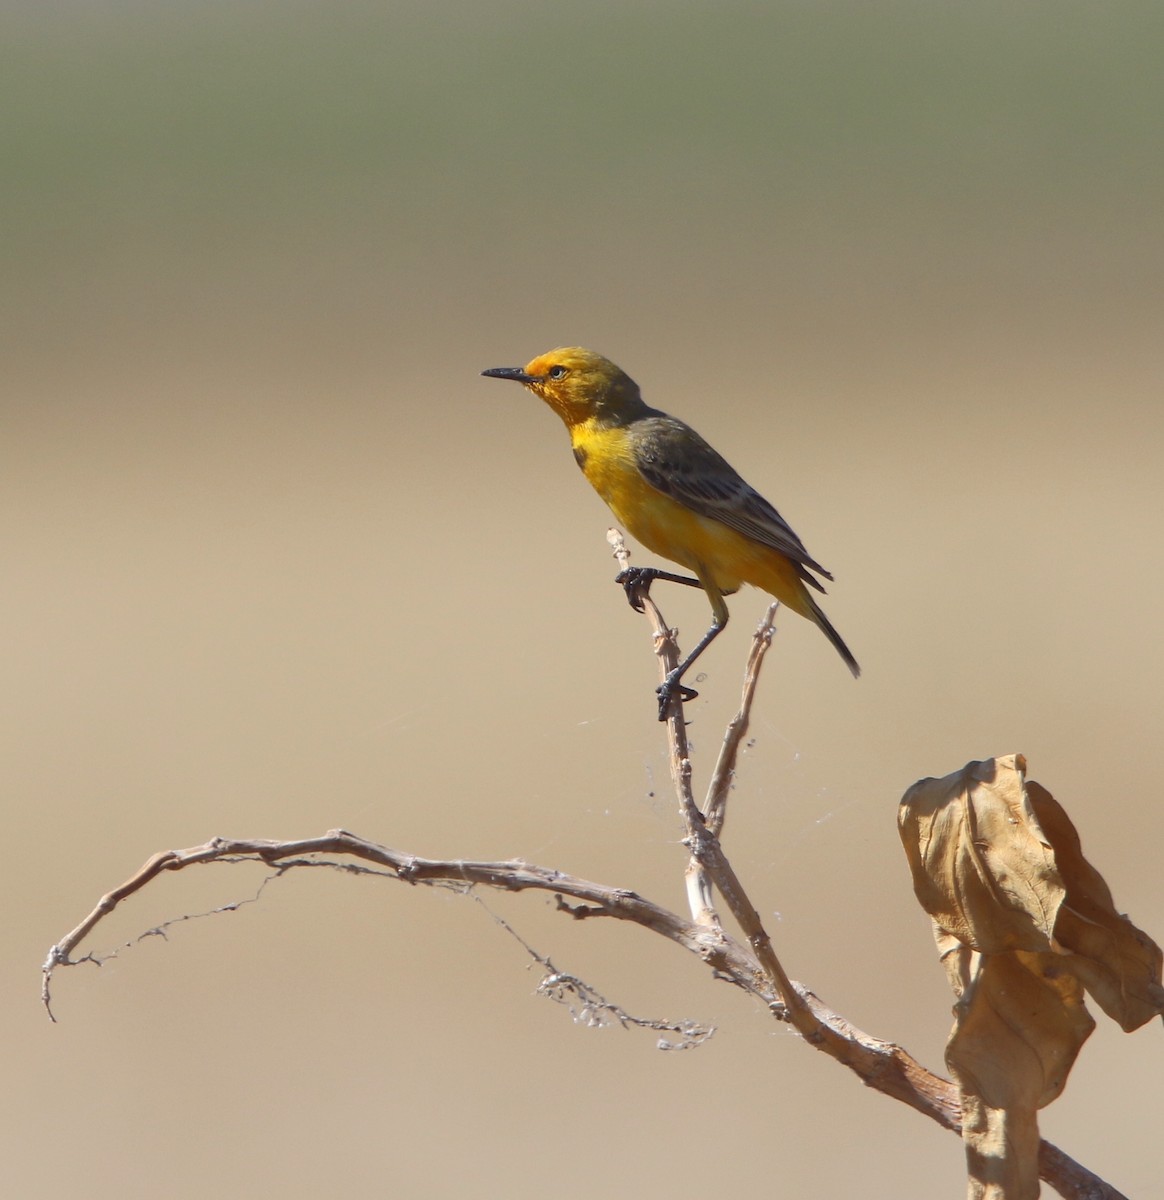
x=636 y=582
x=667 y=689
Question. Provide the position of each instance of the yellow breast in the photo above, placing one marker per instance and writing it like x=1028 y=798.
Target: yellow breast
x=663 y=525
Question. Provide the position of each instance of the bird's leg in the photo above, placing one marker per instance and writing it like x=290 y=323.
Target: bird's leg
x=637 y=582
x=671 y=684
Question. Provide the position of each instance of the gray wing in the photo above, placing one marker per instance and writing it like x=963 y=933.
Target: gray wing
x=676 y=461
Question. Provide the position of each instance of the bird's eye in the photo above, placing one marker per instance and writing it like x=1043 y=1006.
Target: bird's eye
x=558 y=372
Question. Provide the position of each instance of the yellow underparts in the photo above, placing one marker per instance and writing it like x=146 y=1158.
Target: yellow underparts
x=714 y=552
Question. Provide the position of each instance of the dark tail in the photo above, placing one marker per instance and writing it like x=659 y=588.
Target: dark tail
x=834 y=637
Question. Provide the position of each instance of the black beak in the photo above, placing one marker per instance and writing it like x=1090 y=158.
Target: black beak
x=509 y=373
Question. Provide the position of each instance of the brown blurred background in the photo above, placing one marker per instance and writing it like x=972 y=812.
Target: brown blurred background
x=279 y=560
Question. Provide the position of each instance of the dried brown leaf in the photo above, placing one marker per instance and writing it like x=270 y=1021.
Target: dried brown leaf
x=999 y=866
x=1018 y=1029
x=982 y=866
x=1019 y=1025
x=1117 y=963
x=1024 y=924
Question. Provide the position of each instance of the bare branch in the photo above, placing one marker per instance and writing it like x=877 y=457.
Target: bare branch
x=700 y=896
x=753 y=966
x=882 y=1065
x=708 y=864
x=723 y=954
x=715 y=806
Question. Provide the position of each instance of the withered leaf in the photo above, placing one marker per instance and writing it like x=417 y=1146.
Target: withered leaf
x=1117 y=963
x=1024 y=925
x=998 y=865
x=982 y=866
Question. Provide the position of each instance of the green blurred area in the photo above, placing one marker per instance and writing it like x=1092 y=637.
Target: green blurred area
x=465 y=134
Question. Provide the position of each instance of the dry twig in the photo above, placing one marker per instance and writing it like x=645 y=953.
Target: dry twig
x=751 y=965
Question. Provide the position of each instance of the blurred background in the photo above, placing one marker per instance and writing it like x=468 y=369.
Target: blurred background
x=279 y=560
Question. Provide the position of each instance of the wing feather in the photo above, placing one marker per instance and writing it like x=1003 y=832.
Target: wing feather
x=676 y=461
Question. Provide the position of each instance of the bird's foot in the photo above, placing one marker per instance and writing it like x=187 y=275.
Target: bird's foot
x=636 y=582
x=666 y=691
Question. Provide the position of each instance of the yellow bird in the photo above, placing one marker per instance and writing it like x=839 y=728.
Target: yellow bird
x=676 y=495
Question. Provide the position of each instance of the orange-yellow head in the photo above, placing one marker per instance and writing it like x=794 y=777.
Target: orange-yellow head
x=579 y=386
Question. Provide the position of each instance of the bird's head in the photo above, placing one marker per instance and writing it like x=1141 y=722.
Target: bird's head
x=578 y=385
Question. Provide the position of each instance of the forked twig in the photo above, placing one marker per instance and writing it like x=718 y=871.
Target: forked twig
x=709 y=865
x=819 y=1026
